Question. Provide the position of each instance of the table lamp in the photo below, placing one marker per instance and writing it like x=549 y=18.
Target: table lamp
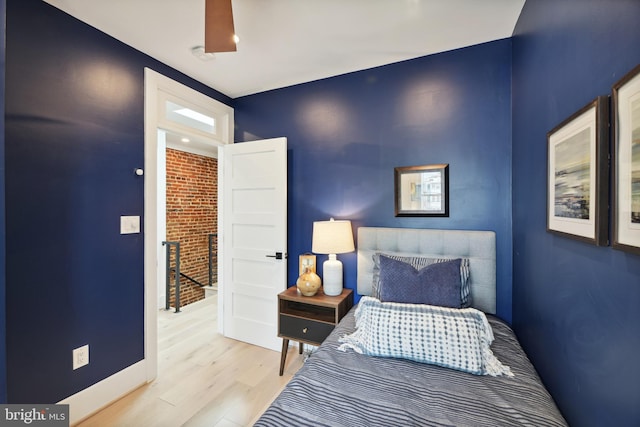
x=332 y=237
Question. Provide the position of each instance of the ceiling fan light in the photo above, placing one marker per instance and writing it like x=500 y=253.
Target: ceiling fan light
x=236 y=39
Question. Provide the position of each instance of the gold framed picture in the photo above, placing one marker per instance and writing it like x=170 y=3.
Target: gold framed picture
x=307 y=261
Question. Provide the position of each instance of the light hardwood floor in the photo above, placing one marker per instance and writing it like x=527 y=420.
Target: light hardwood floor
x=203 y=379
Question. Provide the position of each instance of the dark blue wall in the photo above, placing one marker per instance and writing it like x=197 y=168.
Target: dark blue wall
x=346 y=134
x=575 y=306
x=3 y=317
x=74 y=134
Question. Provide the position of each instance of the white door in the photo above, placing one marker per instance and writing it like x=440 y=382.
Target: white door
x=253 y=239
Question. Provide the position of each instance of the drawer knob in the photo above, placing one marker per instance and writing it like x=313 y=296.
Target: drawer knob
x=304 y=331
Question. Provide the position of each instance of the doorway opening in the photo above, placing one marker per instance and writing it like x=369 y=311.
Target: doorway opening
x=191 y=225
x=182 y=120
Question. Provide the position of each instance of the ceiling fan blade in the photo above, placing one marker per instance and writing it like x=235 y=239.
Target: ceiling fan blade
x=218 y=23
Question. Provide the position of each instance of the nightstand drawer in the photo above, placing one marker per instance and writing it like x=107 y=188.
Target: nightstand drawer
x=304 y=329
x=309 y=319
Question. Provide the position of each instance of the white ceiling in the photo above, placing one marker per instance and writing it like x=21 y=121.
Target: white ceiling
x=286 y=42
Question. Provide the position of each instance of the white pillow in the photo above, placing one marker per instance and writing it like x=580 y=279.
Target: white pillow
x=453 y=338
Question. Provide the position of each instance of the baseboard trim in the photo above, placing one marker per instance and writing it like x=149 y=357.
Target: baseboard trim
x=92 y=399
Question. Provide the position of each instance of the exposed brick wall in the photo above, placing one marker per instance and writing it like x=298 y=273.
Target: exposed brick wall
x=192 y=212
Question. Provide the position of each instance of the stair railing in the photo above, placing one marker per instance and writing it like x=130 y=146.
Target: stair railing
x=168 y=274
x=178 y=274
x=211 y=252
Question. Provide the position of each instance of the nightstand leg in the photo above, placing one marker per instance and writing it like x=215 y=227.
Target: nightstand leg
x=301 y=347
x=283 y=356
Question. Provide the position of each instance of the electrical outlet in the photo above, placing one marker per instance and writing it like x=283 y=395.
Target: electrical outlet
x=80 y=356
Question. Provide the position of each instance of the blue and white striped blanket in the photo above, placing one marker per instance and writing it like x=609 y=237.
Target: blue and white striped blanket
x=337 y=388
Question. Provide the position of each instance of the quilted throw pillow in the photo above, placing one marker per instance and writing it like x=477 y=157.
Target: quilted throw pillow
x=435 y=284
x=453 y=338
x=418 y=263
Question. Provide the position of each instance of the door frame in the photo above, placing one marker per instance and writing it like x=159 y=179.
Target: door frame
x=97 y=396
x=156 y=86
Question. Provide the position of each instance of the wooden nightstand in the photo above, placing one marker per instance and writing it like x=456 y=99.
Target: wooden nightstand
x=309 y=319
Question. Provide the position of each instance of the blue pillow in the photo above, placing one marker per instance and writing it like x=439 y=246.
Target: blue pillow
x=436 y=284
x=419 y=262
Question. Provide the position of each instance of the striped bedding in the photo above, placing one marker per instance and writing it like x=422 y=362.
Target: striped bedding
x=336 y=388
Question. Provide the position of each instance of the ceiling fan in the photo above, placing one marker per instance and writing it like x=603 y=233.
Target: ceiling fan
x=219 y=31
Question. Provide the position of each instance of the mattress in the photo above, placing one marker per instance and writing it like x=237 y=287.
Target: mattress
x=336 y=388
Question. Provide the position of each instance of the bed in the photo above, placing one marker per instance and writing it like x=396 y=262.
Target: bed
x=338 y=386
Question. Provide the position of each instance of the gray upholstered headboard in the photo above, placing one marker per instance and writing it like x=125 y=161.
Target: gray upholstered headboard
x=478 y=246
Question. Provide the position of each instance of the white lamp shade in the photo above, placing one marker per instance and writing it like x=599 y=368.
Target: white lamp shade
x=332 y=237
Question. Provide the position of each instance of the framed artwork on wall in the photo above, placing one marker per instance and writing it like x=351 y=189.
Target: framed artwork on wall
x=626 y=162
x=307 y=261
x=578 y=174
x=422 y=190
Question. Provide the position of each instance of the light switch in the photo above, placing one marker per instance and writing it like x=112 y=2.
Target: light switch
x=129 y=224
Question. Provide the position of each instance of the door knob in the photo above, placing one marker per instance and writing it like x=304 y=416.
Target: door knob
x=278 y=255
